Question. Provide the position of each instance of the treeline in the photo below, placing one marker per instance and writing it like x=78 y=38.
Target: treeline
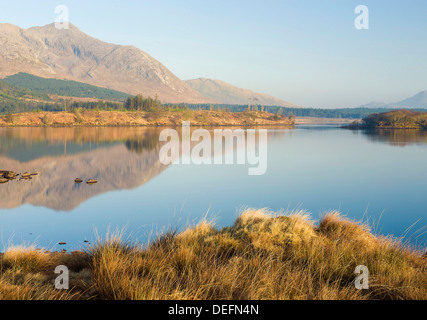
x=30 y=106
x=139 y=103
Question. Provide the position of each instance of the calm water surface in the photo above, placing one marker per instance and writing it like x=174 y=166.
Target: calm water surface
x=380 y=176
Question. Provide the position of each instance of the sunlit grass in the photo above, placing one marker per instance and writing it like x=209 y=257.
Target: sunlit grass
x=263 y=255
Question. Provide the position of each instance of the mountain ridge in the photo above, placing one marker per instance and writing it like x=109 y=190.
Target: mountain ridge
x=230 y=94
x=417 y=101
x=70 y=54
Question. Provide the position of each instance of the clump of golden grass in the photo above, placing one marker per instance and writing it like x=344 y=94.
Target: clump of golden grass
x=27 y=274
x=262 y=256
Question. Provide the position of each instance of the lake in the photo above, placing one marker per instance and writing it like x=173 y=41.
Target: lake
x=377 y=176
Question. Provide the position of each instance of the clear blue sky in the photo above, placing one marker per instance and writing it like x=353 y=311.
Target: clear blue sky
x=304 y=51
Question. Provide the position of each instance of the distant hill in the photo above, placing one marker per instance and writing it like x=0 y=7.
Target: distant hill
x=229 y=94
x=65 y=88
x=73 y=55
x=375 y=104
x=418 y=101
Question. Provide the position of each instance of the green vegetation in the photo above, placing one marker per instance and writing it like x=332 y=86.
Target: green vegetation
x=139 y=103
x=9 y=91
x=17 y=100
x=14 y=99
x=261 y=256
x=63 y=87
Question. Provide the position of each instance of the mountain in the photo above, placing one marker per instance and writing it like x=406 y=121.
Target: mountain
x=374 y=105
x=229 y=94
x=418 y=101
x=70 y=54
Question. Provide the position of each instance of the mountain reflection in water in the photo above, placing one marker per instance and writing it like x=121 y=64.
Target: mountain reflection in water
x=120 y=158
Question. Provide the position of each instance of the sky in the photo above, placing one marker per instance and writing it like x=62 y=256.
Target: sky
x=307 y=52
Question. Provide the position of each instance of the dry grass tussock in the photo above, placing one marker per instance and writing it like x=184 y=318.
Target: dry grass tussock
x=262 y=256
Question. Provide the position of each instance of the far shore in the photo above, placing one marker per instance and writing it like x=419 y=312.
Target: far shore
x=95 y=118
x=394 y=119
x=313 y=120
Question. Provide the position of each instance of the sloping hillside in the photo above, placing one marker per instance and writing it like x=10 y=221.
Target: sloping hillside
x=229 y=94
x=417 y=101
x=64 y=88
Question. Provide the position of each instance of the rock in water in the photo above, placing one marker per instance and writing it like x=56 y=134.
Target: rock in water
x=10 y=175
x=91 y=181
x=78 y=180
x=4 y=180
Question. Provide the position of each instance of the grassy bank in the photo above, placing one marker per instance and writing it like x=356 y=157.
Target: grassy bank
x=395 y=119
x=170 y=117
x=262 y=256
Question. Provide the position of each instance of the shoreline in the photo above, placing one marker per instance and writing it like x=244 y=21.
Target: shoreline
x=167 y=118
x=364 y=127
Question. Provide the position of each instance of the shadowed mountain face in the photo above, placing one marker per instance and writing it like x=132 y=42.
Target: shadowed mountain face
x=118 y=159
x=229 y=94
x=73 y=55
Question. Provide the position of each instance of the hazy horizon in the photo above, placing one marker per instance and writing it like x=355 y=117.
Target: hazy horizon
x=307 y=53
